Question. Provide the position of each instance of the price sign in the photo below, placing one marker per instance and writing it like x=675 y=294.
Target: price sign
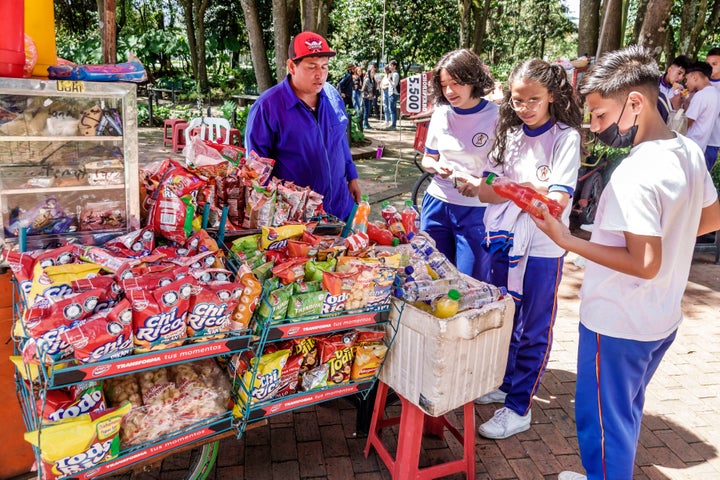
x=416 y=94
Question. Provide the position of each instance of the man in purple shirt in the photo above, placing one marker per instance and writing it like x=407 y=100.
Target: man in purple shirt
x=301 y=123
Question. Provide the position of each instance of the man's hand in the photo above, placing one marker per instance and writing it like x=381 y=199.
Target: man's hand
x=354 y=189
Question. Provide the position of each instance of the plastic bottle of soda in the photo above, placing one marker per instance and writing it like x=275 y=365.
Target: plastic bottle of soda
x=360 y=221
x=381 y=235
x=524 y=197
x=476 y=297
x=447 y=305
x=394 y=221
x=409 y=217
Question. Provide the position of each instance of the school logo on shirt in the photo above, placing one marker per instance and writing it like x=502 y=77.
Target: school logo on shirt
x=543 y=173
x=480 y=139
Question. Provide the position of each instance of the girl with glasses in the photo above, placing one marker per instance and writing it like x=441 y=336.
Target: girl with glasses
x=537 y=143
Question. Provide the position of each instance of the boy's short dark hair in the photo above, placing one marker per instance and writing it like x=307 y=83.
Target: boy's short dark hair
x=617 y=73
x=682 y=61
x=702 y=67
x=393 y=62
x=715 y=51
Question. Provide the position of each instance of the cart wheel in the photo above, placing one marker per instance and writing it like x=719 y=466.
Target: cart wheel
x=418 y=191
x=590 y=195
x=202 y=461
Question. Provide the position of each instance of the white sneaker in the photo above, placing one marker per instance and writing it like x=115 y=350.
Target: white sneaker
x=496 y=396
x=505 y=423
x=571 y=476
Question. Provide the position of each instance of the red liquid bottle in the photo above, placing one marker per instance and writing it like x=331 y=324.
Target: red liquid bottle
x=409 y=217
x=393 y=220
x=524 y=197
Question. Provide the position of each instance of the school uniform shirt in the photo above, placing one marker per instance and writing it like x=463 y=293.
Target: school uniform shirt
x=715 y=83
x=666 y=90
x=546 y=156
x=463 y=138
x=658 y=190
x=309 y=148
x=704 y=110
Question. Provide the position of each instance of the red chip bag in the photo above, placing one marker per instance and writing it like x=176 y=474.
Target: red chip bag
x=337 y=352
x=159 y=317
x=106 y=335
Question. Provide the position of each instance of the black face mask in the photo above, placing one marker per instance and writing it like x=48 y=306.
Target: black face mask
x=612 y=137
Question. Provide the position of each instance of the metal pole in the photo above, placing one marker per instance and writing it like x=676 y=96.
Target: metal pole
x=382 y=54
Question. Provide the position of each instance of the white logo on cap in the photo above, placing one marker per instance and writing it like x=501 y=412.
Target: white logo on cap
x=314 y=45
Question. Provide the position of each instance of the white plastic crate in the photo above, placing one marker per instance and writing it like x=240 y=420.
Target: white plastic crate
x=441 y=364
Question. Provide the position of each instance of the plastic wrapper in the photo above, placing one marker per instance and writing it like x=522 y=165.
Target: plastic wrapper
x=159 y=317
x=336 y=351
x=105 y=215
x=168 y=399
x=71 y=402
x=45 y=218
x=79 y=443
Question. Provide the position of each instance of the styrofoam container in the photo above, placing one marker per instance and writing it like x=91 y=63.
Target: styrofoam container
x=441 y=364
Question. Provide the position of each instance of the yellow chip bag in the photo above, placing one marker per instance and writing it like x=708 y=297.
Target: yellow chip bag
x=55 y=281
x=267 y=379
x=79 y=443
x=272 y=238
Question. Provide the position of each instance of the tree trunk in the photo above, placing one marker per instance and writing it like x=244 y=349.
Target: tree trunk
x=199 y=17
x=480 y=16
x=281 y=30
x=323 y=14
x=639 y=17
x=654 y=27
x=258 y=51
x=710 y=25
x=309 y=14
x=465 y=12
x=109 y=33
x=588 y=27
x=610 y=34
x=192 y=43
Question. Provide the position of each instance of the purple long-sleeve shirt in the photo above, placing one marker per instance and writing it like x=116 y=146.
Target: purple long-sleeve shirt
x=312 y=152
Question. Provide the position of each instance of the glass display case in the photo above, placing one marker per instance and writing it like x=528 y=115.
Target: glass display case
x=68 y=161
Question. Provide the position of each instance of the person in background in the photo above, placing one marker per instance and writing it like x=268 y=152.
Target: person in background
x=358 y=79
x=460 y=136
x=671 y=82
x=301 y=123
x=369 y=93
x=713 y=58
x=638 y=258
x=385 y=86
x=538 y=144
x=345 y=86
x=394 y=94
x=703 y=112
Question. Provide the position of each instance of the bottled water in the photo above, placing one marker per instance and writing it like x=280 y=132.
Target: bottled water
x=477 y=296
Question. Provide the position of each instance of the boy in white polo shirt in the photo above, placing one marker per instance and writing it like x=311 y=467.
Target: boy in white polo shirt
x=703 y=113
x=657 y=201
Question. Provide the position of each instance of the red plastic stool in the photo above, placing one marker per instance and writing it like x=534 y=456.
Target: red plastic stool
x=169 y=127
x=413 y=424
x=178 y=136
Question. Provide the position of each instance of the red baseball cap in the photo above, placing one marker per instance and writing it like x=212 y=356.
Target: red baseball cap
x=309 y=44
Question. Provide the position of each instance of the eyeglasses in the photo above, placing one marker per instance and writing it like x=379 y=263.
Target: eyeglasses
x=530 y=105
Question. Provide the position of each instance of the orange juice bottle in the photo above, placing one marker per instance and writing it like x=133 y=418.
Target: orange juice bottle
x=361 y=215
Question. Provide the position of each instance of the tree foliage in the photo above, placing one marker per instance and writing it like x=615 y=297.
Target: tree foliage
x=214 y=42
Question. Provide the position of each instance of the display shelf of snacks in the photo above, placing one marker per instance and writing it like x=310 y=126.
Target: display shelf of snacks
x=68 y=161
x=135 y=348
